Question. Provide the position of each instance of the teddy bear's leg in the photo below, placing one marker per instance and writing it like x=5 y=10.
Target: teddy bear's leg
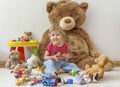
x=89 y=60
x=12 y=67
x=109 y=66
x=95 y=77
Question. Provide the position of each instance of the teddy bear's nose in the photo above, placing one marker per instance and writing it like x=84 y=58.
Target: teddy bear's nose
x=67 y=21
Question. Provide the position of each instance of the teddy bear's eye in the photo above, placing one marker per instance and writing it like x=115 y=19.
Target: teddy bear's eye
x=71 y=15
x=62 y=16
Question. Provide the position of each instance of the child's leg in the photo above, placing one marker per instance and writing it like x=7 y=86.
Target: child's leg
x=52 y=67
x=68 y=67
x=71 y=66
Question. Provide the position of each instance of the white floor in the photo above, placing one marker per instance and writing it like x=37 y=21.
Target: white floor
x=111 y=79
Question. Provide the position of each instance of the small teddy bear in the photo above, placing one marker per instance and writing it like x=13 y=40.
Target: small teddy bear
x=60 y=56
x=27 y=36
x=97 y=70
x=12 y=62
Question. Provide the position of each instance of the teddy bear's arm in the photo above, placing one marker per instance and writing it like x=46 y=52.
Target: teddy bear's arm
x=43 y=43
x=7 y=64
x=92 y=48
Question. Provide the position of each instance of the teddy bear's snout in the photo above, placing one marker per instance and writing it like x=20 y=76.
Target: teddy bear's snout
x=67 y=21
x=101 y=63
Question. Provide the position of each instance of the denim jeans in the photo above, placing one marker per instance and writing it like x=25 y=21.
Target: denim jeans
x=53 y=66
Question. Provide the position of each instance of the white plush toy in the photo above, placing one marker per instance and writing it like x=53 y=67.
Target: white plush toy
x=33 y=62
x=87 y=78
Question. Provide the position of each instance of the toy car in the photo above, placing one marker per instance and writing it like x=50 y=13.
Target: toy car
x=47 y=80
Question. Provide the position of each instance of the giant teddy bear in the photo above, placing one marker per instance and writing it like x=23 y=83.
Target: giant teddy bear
x=69 y=16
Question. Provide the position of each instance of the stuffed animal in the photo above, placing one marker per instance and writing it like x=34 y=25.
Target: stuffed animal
x=80 y=80
x=33 y=62
x=18 y=67
x=12 y=62
x=26 y=37
x=109 y=66
x=98 y=68
x=69 y=16
x=60 y=56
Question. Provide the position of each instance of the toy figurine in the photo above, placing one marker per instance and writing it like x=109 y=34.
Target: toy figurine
x=80 y=80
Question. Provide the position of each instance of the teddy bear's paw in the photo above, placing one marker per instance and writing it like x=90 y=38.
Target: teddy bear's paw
x=94 y=54
x=95 y=77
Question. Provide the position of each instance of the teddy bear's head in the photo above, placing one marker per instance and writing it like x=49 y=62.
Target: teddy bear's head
x=14 y=55
x=66 y=13
x=102 y=60
x=27 y=36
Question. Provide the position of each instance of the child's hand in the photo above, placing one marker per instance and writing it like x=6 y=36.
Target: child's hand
x=55 y=58
x=59 y=56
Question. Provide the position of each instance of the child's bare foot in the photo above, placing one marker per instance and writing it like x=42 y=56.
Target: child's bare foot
x=54 y=75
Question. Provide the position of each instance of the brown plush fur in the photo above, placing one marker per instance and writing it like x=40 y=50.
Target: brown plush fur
x=14 y=60
x=26 y=37
x=98 y=67
x=69 y=16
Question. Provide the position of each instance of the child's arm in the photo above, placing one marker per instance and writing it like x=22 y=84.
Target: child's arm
x=47 y=57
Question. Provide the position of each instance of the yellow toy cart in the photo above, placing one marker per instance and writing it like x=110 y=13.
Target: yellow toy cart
x=20 y=47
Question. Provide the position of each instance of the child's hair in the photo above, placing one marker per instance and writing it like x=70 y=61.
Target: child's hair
x=54 y=28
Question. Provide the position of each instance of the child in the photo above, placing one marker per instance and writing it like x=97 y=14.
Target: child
x=53 y=62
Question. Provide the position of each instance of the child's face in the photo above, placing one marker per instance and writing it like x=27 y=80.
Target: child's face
x=55 y=37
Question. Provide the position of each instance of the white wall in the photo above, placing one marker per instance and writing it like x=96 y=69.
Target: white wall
x=102 y=23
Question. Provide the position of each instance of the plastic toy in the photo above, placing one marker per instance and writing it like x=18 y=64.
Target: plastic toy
x=80 y=80
x=35 y=81
x=22 y=56
x=74 y=73
x=22 y=80
x=20 y=45
x=31 y=43
x=38 y=69
x=69 y=81
x=62 y=81
x=47 y=80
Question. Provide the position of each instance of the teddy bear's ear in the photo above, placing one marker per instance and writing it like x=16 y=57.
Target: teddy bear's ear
x=50 y=6
x=84 y=6
x=30 y=33
x=106 y=60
